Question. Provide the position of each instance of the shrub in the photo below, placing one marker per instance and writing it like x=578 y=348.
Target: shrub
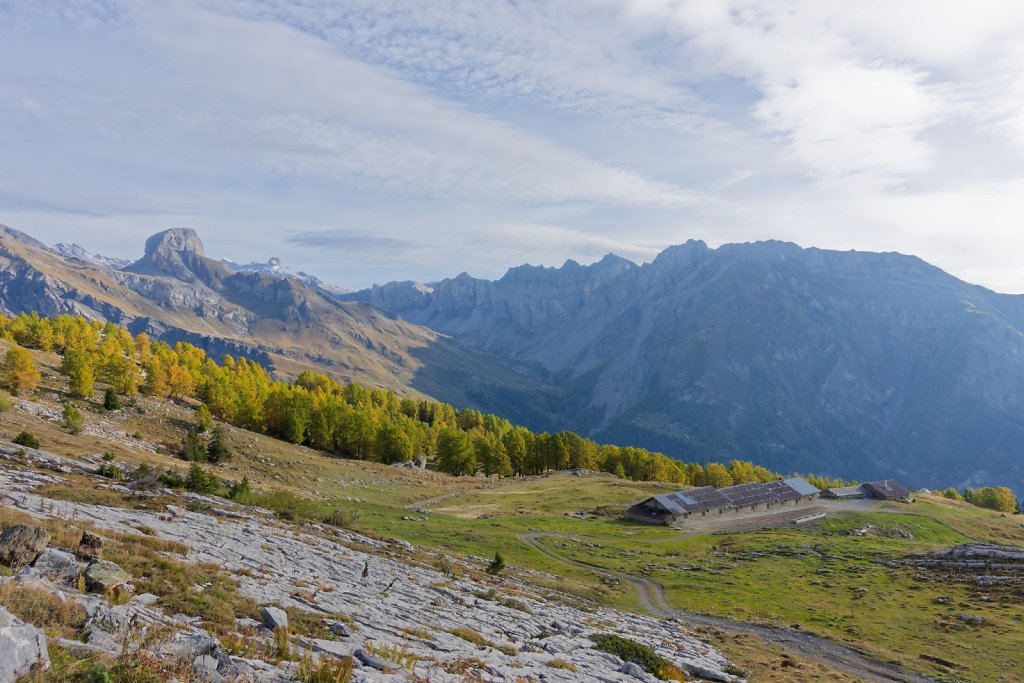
x=201 y=481
x=497 y=565
x=5 y=402
x=72 y=419
x=111 y=401
x=27 y=439
x=239 y=489
x=632 y=651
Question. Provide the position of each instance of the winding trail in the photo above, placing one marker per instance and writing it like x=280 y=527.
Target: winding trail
x=652 y=597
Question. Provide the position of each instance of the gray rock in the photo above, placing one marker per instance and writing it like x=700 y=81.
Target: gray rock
x=188 y=646
x=57 y=565
x=634 y=670
x=103 y=641
x=971 y=619
x=23 y=647
x=708 y=674
x=204 y=668
x=339 y=629
x=21 y=544
x=90 y=547
x=145 y=599
x=103 y=575
x=373 y=662
x=274 y=617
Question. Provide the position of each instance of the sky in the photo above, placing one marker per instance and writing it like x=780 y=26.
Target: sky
x=373 y=140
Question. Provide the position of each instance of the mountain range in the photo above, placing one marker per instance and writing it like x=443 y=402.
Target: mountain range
x=852 y=364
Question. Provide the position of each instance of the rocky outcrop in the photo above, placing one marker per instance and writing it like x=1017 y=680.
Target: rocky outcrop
x=439 y=619
x=22 y=647
x=21 y=544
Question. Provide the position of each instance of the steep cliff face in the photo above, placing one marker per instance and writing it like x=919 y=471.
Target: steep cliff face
x=853 y=363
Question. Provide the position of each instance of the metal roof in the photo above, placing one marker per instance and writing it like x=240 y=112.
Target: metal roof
x=801 y=486
x=888 y=488
x=733 y=497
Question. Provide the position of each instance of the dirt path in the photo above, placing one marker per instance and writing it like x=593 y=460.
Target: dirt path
x=652 y=597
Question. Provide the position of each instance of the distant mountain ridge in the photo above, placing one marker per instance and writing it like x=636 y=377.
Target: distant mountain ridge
x=851 y=363
x=176 y=293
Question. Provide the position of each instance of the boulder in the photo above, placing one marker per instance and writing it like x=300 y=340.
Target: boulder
x=90 y=547
x=274 y=618
x=21 y=544
x=57 y=565
x=103 y=575
x=23 y=647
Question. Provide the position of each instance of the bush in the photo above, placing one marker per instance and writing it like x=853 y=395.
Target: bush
x=497 y=565
x=632 y=651
x=240 y=489
x=111 y=401
x=27 y=439
x=72 y=419
x=201 y=481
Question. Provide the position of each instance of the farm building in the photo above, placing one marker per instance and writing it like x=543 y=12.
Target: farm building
x=887 y=489
x=708 y=501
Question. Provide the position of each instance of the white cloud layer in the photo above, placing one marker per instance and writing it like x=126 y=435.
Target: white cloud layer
x=431 y=138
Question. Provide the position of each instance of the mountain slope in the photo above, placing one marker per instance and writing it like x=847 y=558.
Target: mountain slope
x=852 y=363
x=176 y=293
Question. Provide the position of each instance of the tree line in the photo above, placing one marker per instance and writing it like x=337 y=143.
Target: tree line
x=344 y=419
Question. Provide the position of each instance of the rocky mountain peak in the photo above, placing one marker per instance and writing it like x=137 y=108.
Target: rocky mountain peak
x=175 y=239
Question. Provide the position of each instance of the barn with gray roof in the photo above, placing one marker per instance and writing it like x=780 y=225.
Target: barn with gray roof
x=707 y=501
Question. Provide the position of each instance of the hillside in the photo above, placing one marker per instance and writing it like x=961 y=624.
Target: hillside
x=847 y=363
x=575 y=569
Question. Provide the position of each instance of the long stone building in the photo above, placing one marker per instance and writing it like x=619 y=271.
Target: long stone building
x=707 y=501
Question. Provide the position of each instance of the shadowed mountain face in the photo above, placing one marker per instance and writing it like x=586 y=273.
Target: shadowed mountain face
x=854 y=364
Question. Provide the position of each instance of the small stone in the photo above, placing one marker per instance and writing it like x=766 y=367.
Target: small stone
x=23 y=647
x=339 y=629
x=90 y=547
x=21 y=544
x=103 y=575
x=274 y=617
x=971 y=619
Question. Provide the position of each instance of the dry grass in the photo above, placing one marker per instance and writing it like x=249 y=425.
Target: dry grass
x=43 y=609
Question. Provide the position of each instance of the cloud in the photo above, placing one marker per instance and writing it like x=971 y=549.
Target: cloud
x=474 y=136
x=348 y=241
